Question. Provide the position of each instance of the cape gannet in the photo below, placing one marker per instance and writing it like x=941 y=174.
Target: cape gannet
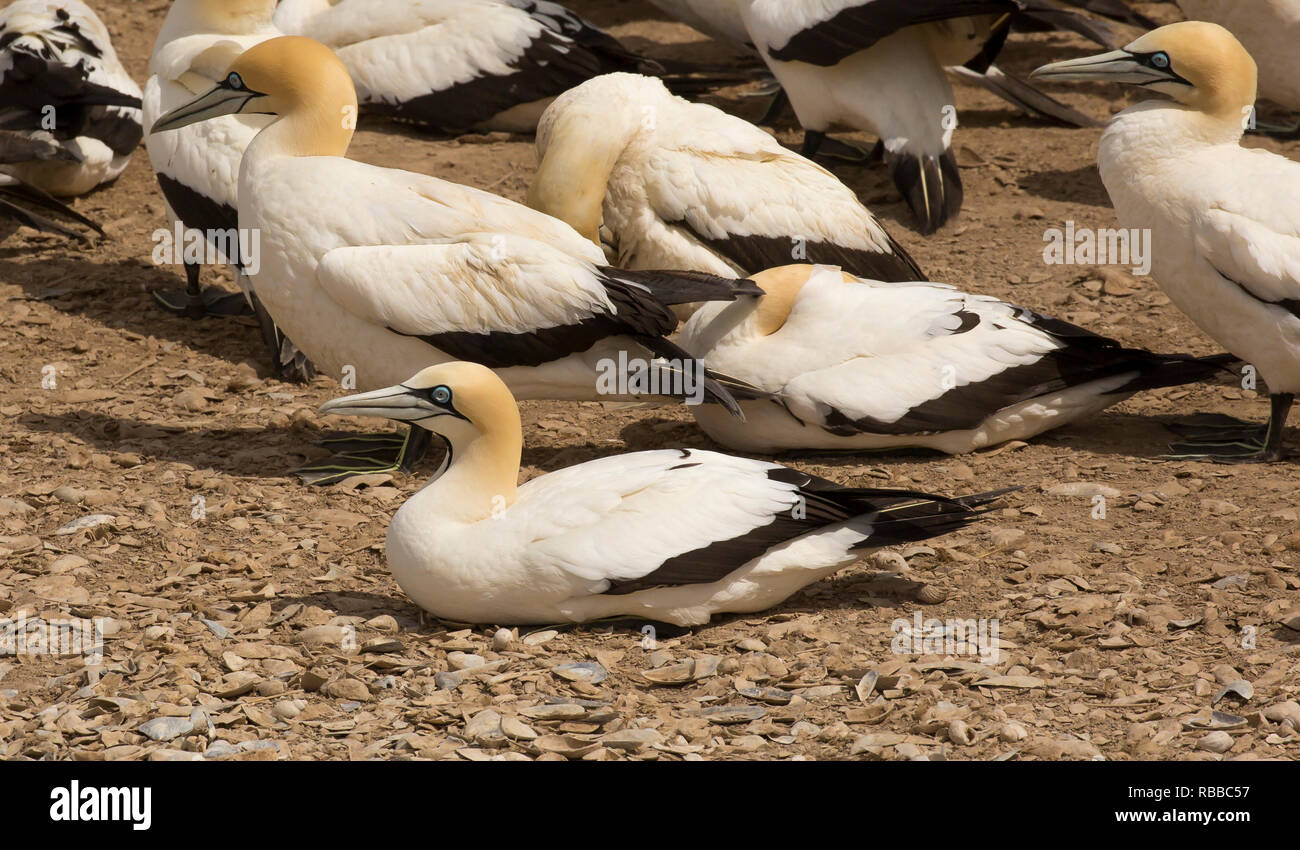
x=671 y=184
x=460 y=65
x=198 y=166
x=376 y=273
x=878 y=65
x=857 y=364
x=673 y=535
x=61 y=84
x=1270 y=30
x=1224 y=220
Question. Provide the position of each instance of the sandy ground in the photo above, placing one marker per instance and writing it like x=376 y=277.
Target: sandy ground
x=252 y=618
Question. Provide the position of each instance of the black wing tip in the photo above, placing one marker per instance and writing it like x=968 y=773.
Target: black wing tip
x=931 y=186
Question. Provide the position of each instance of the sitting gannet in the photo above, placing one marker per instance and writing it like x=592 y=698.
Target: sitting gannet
x=1224 y=220
x=878 y=65
x=674 y=184
x=675 y=535
x=460 y=65
x=1270 y=30
x=859 y=364
x=376 y=273
x=61 y=84
x=198 y=166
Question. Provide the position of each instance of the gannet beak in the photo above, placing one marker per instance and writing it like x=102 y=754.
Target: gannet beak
x=1117 y=66
x=221 y=100
x=400 y=403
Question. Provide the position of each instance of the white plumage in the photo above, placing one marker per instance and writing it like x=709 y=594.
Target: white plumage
x=1224 y=220
x=62 y=86
x=383 y=272
x=459 y=65
x=674 y=535
x=671 y=184
x=857 y=364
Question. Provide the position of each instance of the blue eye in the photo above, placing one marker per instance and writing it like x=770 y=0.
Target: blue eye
x=1160 y=60
x=234 y=81
x=440 y=395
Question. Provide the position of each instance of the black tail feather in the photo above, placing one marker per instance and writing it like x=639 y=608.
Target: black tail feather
x=684 y=287
x=931 y=186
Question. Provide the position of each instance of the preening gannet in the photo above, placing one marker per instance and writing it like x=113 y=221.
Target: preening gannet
x=857 y=364
x=1270 y=31
x=458 y=65
x=377 y=273
x=1224 y=220
x=198 y=166
x=878 y=65
x=667 y=183
x=674 y=535
x=61 y=84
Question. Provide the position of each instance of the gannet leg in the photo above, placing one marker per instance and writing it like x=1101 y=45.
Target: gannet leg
x=198 y=303
x=367 y=454
x=1279 y=131
x=1237 y=445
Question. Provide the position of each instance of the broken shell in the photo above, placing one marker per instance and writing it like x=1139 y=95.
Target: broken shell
x=771 y=696
x=728 y=714
x=1240 y=687
x=582 y=671
x=867 y=684
x=931 y=595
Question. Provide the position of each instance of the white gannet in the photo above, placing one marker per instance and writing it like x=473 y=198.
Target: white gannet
x=857 y=364
x=459 y=65
x=376 y=273
x=667 y=183
x=198 y=166
x=675 y=535
x=61 y=83
x=1224 y=221
x=879 y=65
x=1270 y=30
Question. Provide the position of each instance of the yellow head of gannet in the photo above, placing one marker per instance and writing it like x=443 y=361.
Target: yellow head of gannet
x=1198 y=64
x=297 y=79
x=472 y=410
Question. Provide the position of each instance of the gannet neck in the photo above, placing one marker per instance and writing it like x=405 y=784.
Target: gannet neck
x=574 y=165
x=1166 y=131
x=482 y=475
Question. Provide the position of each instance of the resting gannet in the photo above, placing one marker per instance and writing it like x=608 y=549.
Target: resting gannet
x=1224 y=220
x=674 y=535
x=672 y=184
x=376 y=273
x=878 y=65
x=458 y=65
x=1270 y=30
x=860 y=364
x=62 y=86
x=198 y=166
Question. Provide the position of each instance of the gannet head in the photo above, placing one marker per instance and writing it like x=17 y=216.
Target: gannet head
x=1198 y=64
x=580 y=138
x=781 y=287
x=289 y=77
x=458 y=401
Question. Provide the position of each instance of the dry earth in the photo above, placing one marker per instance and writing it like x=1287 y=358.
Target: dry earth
x=269 y=627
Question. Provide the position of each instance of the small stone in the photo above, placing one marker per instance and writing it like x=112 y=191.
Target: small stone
x=1013 y=733
x=71 y=495
x=347 y=689
x=1216 y=742
x=632 y=739
x=501 y=640
x=464 y=660
x=517 y=730
x=166 y=728
x=484 y=729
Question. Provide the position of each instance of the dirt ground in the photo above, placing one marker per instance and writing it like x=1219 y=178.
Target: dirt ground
x=249 y=617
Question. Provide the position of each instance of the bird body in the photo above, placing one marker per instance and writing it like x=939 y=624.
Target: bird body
x=377 y=272
x=61 y=82
x=459 y=65
x=671 y=184
x=1224 y=220
x=670 y=535
x=856 y=364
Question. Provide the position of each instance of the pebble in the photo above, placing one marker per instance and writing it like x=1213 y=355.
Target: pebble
x=166 y=728
x=1216 y=742
x=501 y=640
x=464 y=660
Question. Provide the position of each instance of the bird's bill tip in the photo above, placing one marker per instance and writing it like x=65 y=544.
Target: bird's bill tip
x=212 y=104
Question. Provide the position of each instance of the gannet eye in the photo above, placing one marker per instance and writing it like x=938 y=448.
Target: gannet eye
x=1160 y=60
x=440 y=395
x=234 y=81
